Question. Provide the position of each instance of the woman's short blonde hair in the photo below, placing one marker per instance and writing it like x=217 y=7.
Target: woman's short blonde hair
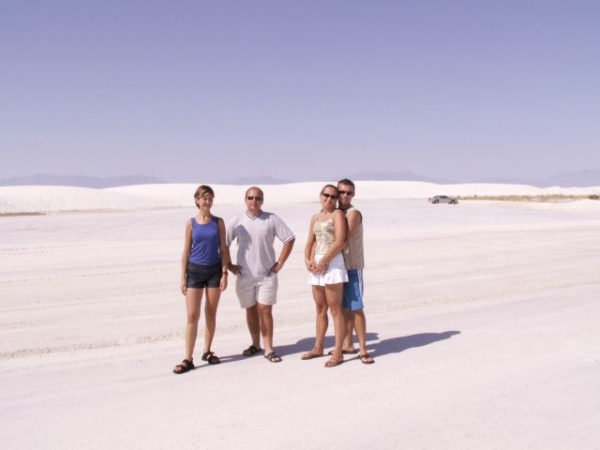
x=203 y=190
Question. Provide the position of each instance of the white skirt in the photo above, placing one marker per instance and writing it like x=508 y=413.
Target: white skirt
x=336 y=272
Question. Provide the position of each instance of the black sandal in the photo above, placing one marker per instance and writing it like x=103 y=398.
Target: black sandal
x=251 y=351
x=273 y=357
x=211 y=358
x=185 y=366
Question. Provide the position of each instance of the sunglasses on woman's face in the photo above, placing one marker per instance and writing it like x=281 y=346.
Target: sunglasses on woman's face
x=332 y=196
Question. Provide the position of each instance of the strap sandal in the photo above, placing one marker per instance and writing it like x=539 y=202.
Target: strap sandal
x=185 y=366
x=211 y=358
x=251 y=351
x=273 y=357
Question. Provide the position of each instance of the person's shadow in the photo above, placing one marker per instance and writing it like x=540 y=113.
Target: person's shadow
x=306 y=344
x=376 y=349
x=401 y=343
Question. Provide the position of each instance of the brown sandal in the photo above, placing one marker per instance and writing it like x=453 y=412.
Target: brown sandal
x=345 y=352
x=366 y=359
x=310 y=355
x=333 y=362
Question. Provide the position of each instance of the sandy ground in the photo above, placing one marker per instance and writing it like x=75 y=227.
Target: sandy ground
x=482 y=319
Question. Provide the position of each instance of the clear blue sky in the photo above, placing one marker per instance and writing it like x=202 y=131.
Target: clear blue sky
x=194 y=91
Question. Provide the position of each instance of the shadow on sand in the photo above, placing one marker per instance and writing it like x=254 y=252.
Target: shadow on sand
x=399 y=344
x=306 y=344
x=385 y=347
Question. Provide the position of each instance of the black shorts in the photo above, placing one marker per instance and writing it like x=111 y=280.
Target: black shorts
x=199 y=277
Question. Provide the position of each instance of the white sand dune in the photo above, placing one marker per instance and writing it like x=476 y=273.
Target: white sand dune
x=61 y=199
x=482 y=319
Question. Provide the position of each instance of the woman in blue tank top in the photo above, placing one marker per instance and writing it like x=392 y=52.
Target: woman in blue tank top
x=203 y=269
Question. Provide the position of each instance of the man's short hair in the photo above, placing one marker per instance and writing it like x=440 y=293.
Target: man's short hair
x=348 y=182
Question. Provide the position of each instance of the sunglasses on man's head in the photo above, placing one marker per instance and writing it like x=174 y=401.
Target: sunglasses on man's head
x=254 y=197
x=333 y=196
x=345 y=192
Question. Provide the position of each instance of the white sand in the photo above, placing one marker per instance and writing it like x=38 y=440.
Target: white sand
x=482 y=319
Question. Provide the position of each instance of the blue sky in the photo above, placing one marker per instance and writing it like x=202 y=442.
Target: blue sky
x=207 y=91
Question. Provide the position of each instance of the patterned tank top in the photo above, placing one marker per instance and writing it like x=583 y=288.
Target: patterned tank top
x=325 y=235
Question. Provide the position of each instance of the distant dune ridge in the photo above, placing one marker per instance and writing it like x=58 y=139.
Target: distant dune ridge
x=80 y=180
x=16 y=200
x=581 y=178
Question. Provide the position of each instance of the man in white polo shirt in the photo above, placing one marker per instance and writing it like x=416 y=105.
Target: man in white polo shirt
x=257 y=267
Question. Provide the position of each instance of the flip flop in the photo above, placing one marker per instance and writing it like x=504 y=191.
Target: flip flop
x=345 y=352
x=310 y=355
x=366 y=359
x=333 y=362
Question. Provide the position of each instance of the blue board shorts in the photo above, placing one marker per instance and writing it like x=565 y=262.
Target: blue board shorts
x=353 y=291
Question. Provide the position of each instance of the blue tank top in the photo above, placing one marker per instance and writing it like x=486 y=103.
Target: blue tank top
x=205 y=243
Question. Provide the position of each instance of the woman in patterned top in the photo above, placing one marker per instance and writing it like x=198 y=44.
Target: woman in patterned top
x=324 y=261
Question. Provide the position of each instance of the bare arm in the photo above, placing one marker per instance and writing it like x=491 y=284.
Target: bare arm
x=309 y=259
x=354 y=219
x=283 y=256
x=185 y=256
x=225 y=258
x=234 y=268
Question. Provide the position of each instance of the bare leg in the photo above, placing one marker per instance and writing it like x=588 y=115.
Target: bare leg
x=322 y=321
x=334 y=294
x=210 y=316
x=253 y=322
x=266 y=326
x=360 y=325
x=193 y=300
x=348 y=344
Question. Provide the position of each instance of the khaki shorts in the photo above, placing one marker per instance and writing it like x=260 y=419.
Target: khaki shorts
x=251 y=291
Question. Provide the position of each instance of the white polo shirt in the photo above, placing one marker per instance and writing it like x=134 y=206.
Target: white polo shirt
x=255 y=238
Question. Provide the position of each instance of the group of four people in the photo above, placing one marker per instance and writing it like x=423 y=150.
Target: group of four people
x=334 y=257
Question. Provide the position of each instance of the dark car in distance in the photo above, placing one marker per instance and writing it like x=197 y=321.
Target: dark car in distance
x=443 y=199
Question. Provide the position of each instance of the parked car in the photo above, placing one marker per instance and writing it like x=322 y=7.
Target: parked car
x=444 y=199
